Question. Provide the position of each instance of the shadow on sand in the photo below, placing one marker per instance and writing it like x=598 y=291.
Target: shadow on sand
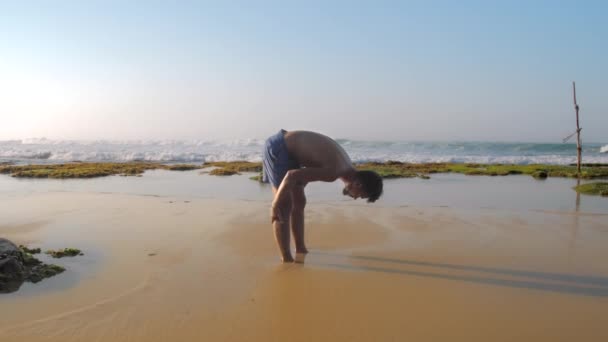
x=554 y=282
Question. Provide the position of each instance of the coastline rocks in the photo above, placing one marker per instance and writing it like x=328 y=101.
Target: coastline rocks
x=17 y=265
x=66 y=252
x=12 y=272
x=540 y=174
x=596 y=188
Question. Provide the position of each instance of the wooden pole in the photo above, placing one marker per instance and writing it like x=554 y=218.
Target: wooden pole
x=579 y=148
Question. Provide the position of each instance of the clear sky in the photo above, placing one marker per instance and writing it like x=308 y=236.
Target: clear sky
x=406 y=70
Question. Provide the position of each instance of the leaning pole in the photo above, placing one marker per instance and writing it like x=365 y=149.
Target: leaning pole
x=579 y=148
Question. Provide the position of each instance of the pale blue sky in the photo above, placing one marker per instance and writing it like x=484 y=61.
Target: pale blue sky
x=406 y=70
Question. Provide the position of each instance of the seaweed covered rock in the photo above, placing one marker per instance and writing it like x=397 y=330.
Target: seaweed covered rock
x=17 y=265
x=223 y=172
x=41 y=271
x=597 y=188
x=66 y=252
x=232 y=168
x=11 y=275
x=12 y=272
x=87 y=170
x=541 y=174
x=30 y=251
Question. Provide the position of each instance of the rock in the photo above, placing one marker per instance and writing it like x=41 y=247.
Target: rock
x=18 y=265
x=540 y=174
x=30 y=251
x=42 y=271
x=12 y=271
x=11 y=268
x=66 y=252
x=7 y=247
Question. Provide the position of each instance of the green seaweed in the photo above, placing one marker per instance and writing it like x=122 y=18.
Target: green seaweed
x=30 y=251
x=389 y=169
x=40 y=272
x=541 y=174
x=393 y=169
x=591 y=164
x=87 y=170
x=597 y=188
x=238 y=166
x=257 y=177
x=232 y=168
x=223 y=172
x=66 y=252
x=29 y=259
x=182 y=167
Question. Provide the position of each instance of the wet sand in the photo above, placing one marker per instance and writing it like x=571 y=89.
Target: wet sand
x=160 y=268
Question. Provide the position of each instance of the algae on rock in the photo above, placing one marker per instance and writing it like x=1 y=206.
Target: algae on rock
x=66 y=252
x=18 y=265
x=598 y=188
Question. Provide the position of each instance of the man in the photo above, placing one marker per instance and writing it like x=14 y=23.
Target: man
x=292 y=160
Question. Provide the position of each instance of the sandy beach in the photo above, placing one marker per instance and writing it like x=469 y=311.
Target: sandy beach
x=162 y=265
x=449 y=159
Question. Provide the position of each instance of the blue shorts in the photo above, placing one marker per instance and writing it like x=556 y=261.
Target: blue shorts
x=277 y=160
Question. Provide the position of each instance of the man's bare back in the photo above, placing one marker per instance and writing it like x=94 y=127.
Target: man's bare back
x=316 y=150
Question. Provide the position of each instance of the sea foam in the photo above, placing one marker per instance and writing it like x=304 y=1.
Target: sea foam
x=200 y=151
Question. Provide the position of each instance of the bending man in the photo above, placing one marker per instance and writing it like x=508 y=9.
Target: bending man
x=292 y=160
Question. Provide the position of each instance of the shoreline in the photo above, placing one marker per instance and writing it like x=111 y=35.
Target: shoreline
x=515 y=192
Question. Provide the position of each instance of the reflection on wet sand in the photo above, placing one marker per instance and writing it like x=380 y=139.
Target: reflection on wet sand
x=575 y=224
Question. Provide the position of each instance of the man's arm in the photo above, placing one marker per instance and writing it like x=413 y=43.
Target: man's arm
x=298 y=177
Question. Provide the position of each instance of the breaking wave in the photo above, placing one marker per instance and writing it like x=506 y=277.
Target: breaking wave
x=41 y=150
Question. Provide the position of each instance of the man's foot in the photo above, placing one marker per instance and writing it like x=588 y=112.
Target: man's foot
x=302 y=250
x=300 y=257
x=287 y=259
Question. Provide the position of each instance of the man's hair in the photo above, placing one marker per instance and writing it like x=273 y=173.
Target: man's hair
x=372 y=184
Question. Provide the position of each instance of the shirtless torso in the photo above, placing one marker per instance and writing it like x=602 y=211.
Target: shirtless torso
x=314 y=150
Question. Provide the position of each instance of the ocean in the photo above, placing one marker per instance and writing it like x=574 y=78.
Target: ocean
x=37 y=151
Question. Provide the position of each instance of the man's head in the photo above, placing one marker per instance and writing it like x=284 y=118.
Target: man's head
x=365 y=184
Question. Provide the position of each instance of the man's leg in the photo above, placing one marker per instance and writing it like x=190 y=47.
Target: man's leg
x=298 y=199
x=281 y=230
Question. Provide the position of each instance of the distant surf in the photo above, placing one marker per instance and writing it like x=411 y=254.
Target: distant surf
x=198 y=151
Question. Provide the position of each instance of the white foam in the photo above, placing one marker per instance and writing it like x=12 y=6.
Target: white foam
x=198 y=151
